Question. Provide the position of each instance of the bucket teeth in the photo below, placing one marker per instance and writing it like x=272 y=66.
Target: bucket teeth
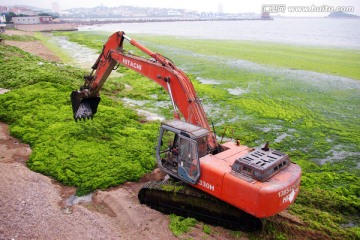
x=83 y=108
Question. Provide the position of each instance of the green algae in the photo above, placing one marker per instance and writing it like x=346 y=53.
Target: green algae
x=91 y=155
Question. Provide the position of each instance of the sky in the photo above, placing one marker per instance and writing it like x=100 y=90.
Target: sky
x=227 y=6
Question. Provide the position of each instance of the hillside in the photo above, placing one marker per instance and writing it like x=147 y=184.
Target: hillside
x=342 y=15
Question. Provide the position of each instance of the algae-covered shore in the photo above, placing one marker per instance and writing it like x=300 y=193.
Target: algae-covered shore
x=303 y=100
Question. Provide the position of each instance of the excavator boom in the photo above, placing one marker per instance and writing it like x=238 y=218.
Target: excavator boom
x=158 y=68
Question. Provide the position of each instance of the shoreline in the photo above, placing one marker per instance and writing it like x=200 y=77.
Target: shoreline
x=155 y=20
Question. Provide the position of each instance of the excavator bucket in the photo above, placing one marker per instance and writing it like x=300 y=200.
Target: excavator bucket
x=83 y=108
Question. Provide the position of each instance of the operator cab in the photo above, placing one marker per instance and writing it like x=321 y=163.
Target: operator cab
x=180 y=146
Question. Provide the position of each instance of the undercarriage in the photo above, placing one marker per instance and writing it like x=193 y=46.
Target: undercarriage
x=182 y=199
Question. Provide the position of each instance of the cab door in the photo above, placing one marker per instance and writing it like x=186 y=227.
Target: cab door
x=188 y=160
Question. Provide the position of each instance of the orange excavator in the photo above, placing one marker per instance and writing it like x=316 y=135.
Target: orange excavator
x=228 y=184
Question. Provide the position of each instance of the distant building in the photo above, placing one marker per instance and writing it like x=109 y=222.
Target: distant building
x=173 y=13
x=2 y=18
x=46 y=19
x=265 y=15
x=32 y=20
x=4 y=9
x=21 y=10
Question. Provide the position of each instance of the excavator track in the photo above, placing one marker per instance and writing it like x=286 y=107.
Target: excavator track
x=180 y=198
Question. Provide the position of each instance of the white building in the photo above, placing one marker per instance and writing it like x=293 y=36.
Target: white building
x=2 y=19
x=173 y=13
x=26 y=20
x=32 y=20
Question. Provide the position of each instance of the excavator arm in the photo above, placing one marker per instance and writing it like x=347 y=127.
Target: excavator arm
x=158 y=68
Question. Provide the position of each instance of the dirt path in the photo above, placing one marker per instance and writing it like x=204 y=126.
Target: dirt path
x=34 y=47
x=30 y=202
x=33 y=206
